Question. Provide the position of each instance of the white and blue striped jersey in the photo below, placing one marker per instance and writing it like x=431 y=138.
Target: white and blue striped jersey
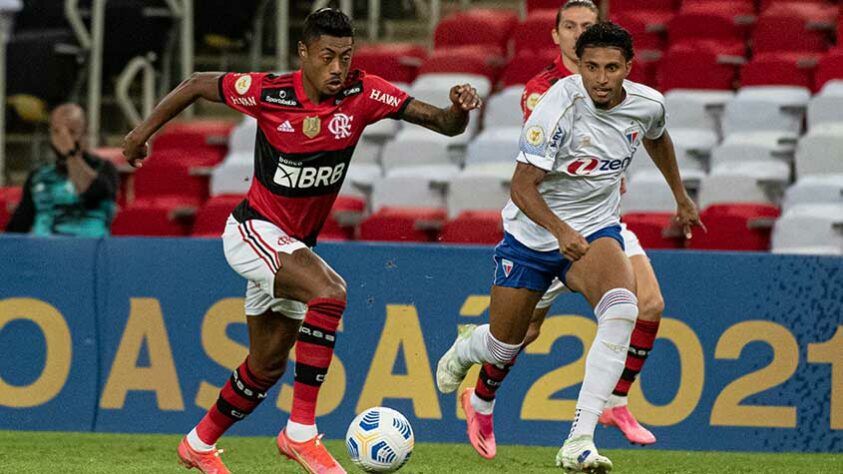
x=585 y=151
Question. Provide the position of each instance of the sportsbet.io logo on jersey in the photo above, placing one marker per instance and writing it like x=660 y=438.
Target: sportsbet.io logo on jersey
x=295 y=176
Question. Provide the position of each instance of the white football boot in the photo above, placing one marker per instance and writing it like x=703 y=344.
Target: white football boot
x=580 y=455
x=450 y=371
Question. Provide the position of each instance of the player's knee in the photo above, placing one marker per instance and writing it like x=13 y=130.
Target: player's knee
x=651 y=308
x=533 y=332
x=617 y=304
x=334 y=289
x=500 y=352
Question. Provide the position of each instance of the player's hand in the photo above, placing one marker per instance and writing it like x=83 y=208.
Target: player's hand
x=135 y=151
x=465 y=97
x=62 y=139
x=688 y=216
x=572 y=245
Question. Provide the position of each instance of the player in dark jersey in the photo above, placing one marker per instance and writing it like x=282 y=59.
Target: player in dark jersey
x=309 y=122
x=573 y=18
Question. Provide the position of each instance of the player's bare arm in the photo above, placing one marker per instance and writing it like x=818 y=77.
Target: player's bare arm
x=525 y=195
x=664 y=156
x=203 y=85
x=451 y=121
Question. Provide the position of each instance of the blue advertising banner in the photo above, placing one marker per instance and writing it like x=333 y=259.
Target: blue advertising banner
x=749 y=355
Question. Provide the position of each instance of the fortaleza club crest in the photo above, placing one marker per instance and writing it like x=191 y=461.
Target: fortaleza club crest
x=631 y=134
x=311 y=126
x=507 y=267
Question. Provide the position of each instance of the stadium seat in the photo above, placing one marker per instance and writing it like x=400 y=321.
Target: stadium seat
x=413 y=149
x=810 y=228
x=648 y=28
x=154 y=217
x=792 y=69
x=469 y=60
x=494 y=145
x=786 y=27
x=829 y=68
x=534 y=33
x=745 y=183
x=201 y=136
x=729 y=154
x=346 y=213
x=9 y=199
x=647 y=192
x=487 y=28
x=242 y=137
x=418 y=186
x=815 y=190
x=504 y=109
x=174 y=173
x=654 y=229
x=820 y=152
x=403 y=225
x=125 y=171
x=395 y=62
x=474 y=227
x=731 y=8
x=474 y=190
x=825 y=108
x=688 y=67
x=359 y=179
x=735 y=227
x=618 y=6
x=526 y=64
x=688 y=108
x=714 y=26
x=234 y=175
x=693 y=147
x=760 y=108
x=211 y=217
x=780 y=143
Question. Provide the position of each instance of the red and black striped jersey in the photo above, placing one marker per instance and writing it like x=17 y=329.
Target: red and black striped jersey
x=540 y=83
x=302 y=150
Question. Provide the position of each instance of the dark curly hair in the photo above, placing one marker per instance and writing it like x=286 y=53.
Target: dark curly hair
x=606 y=35
x=328 y=22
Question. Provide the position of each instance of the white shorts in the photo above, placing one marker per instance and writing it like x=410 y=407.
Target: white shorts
x=632 y=248
x=252 y=249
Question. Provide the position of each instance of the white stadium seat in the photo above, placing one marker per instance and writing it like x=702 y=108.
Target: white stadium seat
x=690 y=108
x=504 y=108
x=815 y=190
x=693 y=147
x=825 y=109
x=242 y=138
x=749 y=182
x=834 y=87
x=417 y=186
x=817 y=227
x=234 y=175
x=367 y=151
x=411 y=148
x=494 y=145
x=732 y=153
x=819 y=152
x=478 y=189
x=647 y=191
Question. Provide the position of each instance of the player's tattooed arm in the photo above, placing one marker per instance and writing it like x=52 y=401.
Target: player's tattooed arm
x=200 y=85
x=662 y=153
x=451 y=121
x=525 y=195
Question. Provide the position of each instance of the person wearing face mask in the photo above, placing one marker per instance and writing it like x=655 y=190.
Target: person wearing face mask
x=74 y=195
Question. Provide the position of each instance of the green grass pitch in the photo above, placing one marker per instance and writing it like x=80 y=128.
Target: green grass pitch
x=46 y=452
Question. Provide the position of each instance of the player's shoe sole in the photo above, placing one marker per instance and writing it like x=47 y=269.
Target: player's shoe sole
x=622 y=418
x=580 y=455
x=449 y=372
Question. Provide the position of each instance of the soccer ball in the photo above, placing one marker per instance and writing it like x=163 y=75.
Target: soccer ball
x=379 y=440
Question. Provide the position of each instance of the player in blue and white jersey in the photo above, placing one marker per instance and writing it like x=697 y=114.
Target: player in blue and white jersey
x=563 y=221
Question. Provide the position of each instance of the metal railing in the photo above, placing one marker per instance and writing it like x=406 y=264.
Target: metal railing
x=7 y=12
x=139 y=64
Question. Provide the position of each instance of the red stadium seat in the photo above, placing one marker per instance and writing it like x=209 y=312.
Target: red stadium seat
x=645 y=69
x=403 y=225
x=490 y=28
x=694 y=66
x=174 y=172
x=786 y=33
x=617 y=6
x=474 y=227
x=396 y=62
x=767 y=3
x=9 y=199
x=154 y=217
x=525 y=65
x=211 y=217
x=196 y=134
x=535 y=32
x=713 y=26
x=735 y=227
x=466 y=60
x=830 y=67
x=538 y=5
x=733 y=8
x=647 y=28
x=651 y=228
x=787 y=69
x=115 y=156
x=346 y=213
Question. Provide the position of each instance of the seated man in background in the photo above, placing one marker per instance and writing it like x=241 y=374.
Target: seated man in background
x=75 y=194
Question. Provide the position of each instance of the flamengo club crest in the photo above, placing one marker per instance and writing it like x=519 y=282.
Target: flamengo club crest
x=340 y=126
x=311 y=126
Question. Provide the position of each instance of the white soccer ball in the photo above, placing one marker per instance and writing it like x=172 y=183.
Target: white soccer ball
x=380 y=440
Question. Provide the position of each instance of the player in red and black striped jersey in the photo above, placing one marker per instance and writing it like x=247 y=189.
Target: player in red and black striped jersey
x=572 y=19
x=309 y=122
